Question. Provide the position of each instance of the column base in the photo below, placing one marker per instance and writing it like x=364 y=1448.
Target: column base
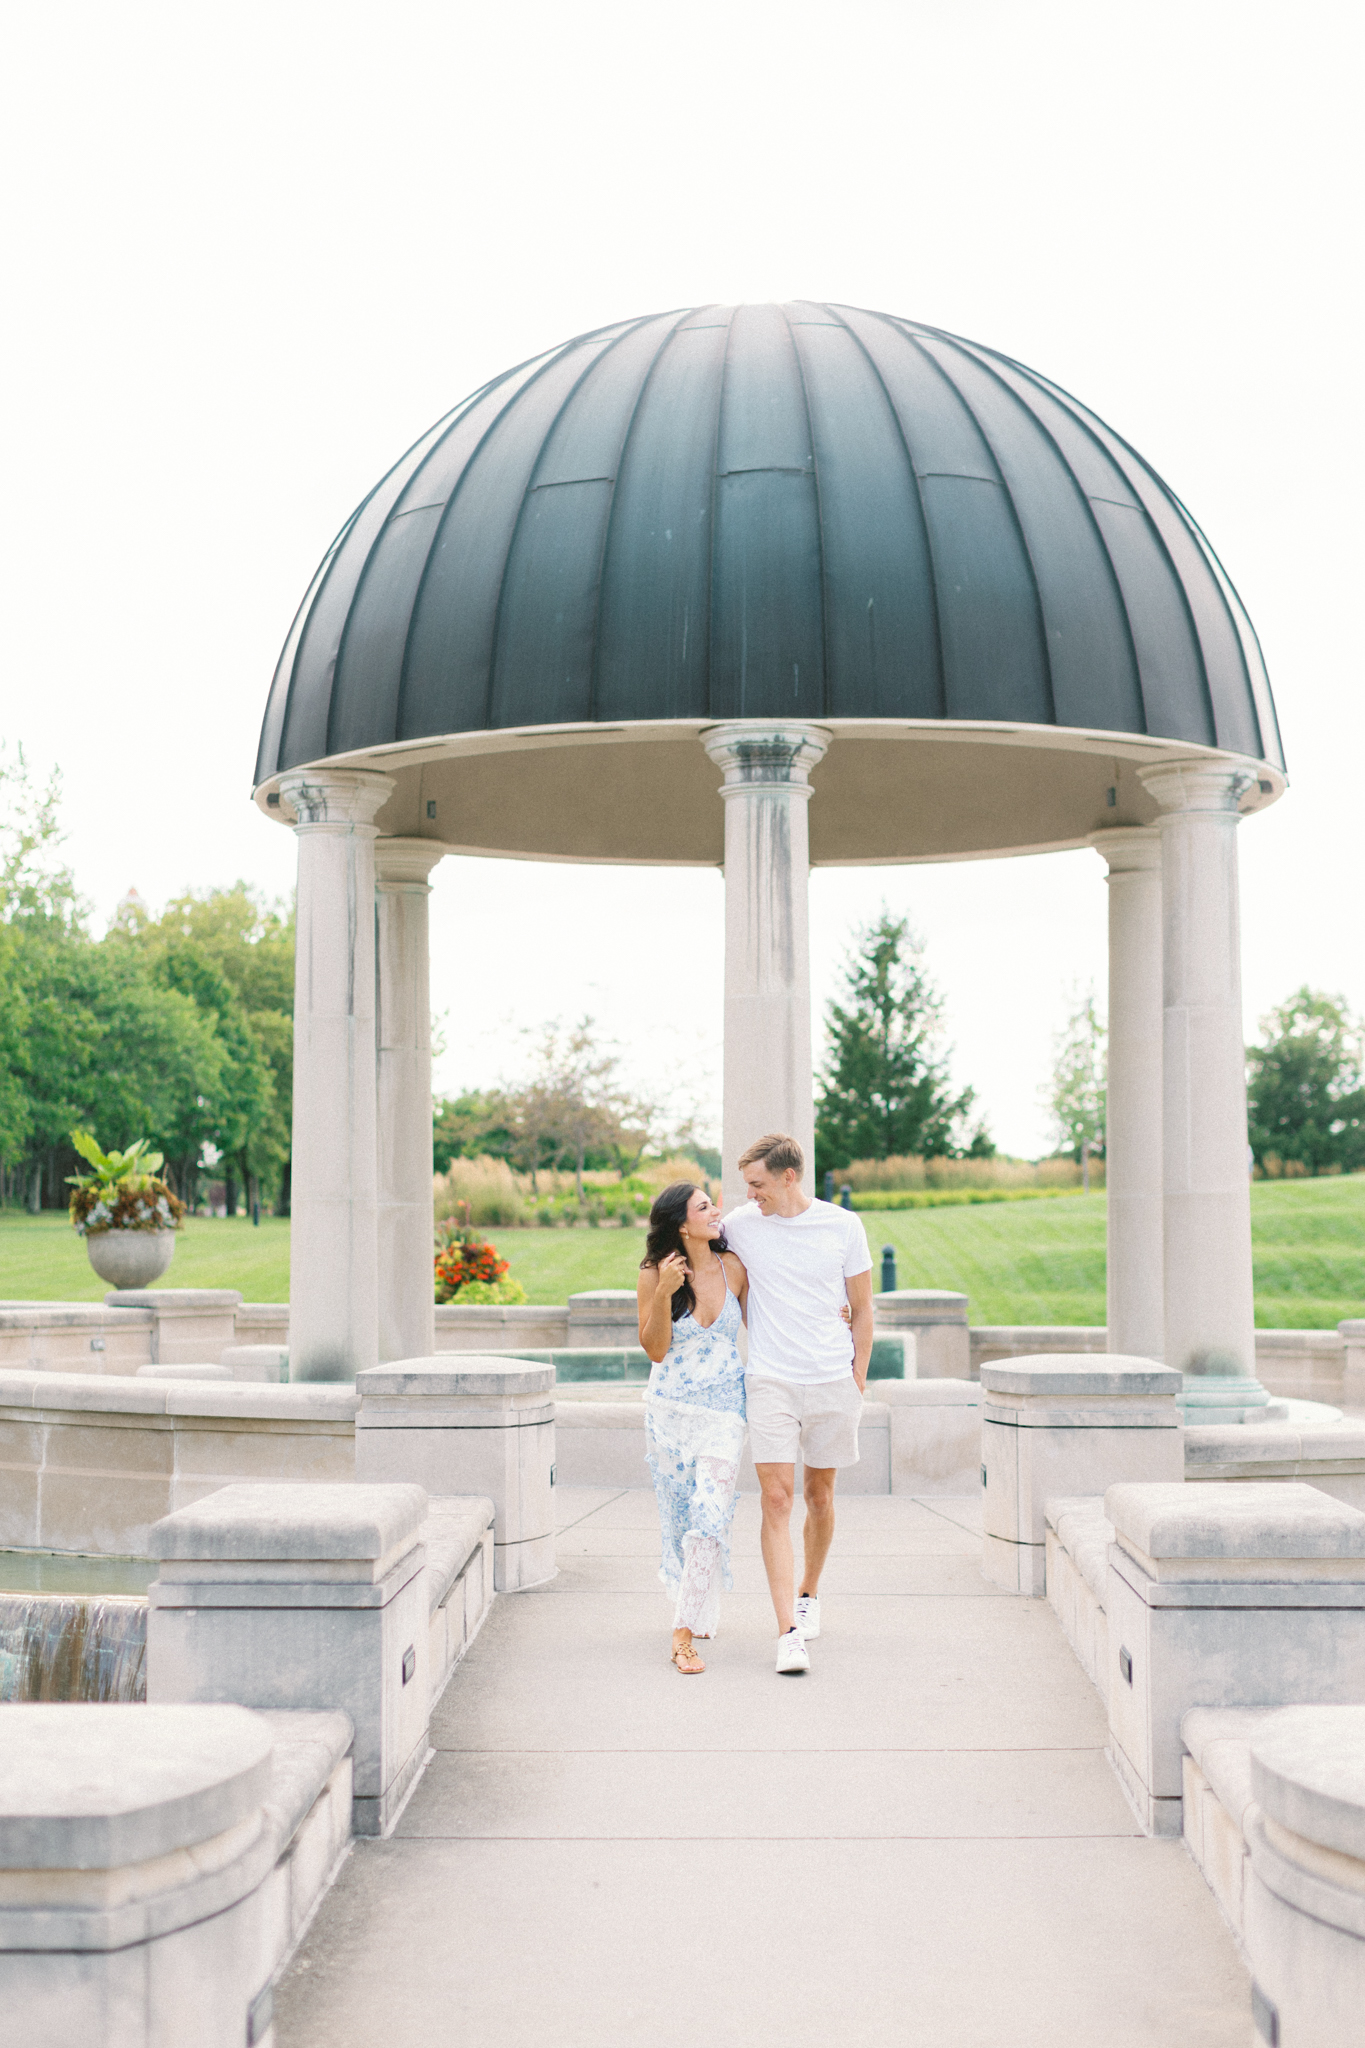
x=1228 y=1397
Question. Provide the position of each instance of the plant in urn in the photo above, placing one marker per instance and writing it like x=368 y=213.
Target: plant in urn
x=126 y=1214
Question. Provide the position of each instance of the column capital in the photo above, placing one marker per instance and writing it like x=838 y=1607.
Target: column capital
x=342 y=799
x=1205 y=786
x=406 y=863
x=761 y=755
x=1129 y=849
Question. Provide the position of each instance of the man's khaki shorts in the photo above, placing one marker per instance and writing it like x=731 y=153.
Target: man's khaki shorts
x=818 y=1423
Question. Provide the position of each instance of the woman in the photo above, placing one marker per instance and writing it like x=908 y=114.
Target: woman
x=691 y=1297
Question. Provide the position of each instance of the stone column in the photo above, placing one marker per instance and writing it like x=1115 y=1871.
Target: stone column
x=333 y=1264
x=768 y=1082
x=1133 y=1114
x=403 y=1038
x=1210 y=1321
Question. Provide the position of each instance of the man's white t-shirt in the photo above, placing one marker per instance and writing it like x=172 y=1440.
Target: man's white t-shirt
x=797 y=1266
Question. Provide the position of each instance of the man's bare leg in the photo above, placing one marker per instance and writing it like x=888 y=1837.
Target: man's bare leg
x=818 y=1533
x=778 y=1483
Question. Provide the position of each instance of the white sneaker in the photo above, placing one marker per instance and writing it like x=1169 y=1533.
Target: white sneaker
x=808 y=1616
x=792 y=1660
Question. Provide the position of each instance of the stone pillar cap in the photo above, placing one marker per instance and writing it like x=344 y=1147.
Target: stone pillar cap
x=455 y=1373
x=98 y=1787
x=1308 y=1772
x=923 y=1302
x=255 y=1523
x=1084 y=1372
x=1235 y=1519
x=173 y=1297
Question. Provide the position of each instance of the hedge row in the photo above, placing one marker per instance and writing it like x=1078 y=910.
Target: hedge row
x=878 y=1201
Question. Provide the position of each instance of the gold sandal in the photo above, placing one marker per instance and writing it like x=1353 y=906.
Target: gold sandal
x=686 y=1659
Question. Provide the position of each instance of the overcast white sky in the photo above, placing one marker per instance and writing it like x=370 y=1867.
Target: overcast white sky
x=252 y=251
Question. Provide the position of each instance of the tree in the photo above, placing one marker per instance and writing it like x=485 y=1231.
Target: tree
x=1077 y=1092
x=1305 y=1098
x=233 y=954
x=885 y=1087
x=477 y=1122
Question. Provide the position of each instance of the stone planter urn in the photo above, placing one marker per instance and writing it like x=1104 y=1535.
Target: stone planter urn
x=130 y=1258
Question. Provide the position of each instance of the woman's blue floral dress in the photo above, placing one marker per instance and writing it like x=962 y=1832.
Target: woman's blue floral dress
x=694 y=1435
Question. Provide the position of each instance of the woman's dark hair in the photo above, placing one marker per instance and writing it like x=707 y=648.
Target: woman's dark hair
x=666 y=1220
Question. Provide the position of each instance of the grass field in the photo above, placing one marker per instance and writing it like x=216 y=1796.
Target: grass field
x=1019 y=1262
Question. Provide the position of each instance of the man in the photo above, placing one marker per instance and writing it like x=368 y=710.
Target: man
x=807 y=1367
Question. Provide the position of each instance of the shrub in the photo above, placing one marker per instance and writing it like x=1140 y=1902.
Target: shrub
x=463 y=1259
x=474 y=1293
x=483 y=1190
x=909 y=1172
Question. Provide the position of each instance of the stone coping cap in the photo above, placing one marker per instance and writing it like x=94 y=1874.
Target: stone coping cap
x=925 y=1393
x=1352 y=1327
x=97 y=1787
x=173 y=1297
x=603 y=1297
x=59 y=1315
x=130 y=1394
x=251 y=1522
x=1068 y=1372
x=931 y=1304
x=1308 y=1772
x=456 y=1373
x=203 y=1371
x=1227 y=1518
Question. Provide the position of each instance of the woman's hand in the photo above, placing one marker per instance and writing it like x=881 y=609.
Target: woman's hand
x=672 y=1272
x=846 y=1314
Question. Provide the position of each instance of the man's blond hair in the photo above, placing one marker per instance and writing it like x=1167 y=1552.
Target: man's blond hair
x=777 y=1152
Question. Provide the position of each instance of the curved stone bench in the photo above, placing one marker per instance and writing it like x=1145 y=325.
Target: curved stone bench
x=159 y=1864
x=1275 y=1819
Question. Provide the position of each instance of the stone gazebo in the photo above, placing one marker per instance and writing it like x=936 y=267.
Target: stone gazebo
x=757 y=587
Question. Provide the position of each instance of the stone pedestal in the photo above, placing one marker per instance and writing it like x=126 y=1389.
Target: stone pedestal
x=302 y=1596
x=403 y=1039
x=1065 y=1426
x=1305 y=1895
x=1353 y=1364
x=935 y=1435
x=1132 y=1150
x=607 y=1319
x=333 y=1259
x=158 y=1865
x=1210 y=1332
x=937 y=1320
x=768 y=1084
x=470 y=1425
x=1224 y=1595
x=190 y=1325
x=133 y=1849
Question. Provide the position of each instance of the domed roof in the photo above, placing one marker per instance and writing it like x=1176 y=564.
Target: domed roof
x=768 y=511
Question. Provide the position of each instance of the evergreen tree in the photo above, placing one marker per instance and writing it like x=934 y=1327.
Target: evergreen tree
x=1305 y=1098
x=885 y=1088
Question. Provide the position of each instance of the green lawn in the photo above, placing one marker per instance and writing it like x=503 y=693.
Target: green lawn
x=42 y=1259
x=1019 y=1262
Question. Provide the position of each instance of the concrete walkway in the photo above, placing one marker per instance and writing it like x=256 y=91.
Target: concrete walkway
x=919 y=1843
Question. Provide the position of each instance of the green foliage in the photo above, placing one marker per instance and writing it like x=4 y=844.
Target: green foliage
x=1077 y=1093
x=179 y=1025
x=885 y=1086
x=112 y=1167
x=1305 y=1098
x=885 y=1200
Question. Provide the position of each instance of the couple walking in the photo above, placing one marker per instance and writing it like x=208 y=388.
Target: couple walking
x=798 y=1272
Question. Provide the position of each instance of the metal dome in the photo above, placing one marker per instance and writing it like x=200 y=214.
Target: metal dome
x=797 y=511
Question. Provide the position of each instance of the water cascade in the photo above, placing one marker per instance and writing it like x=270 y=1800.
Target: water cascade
x=70 y=1646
